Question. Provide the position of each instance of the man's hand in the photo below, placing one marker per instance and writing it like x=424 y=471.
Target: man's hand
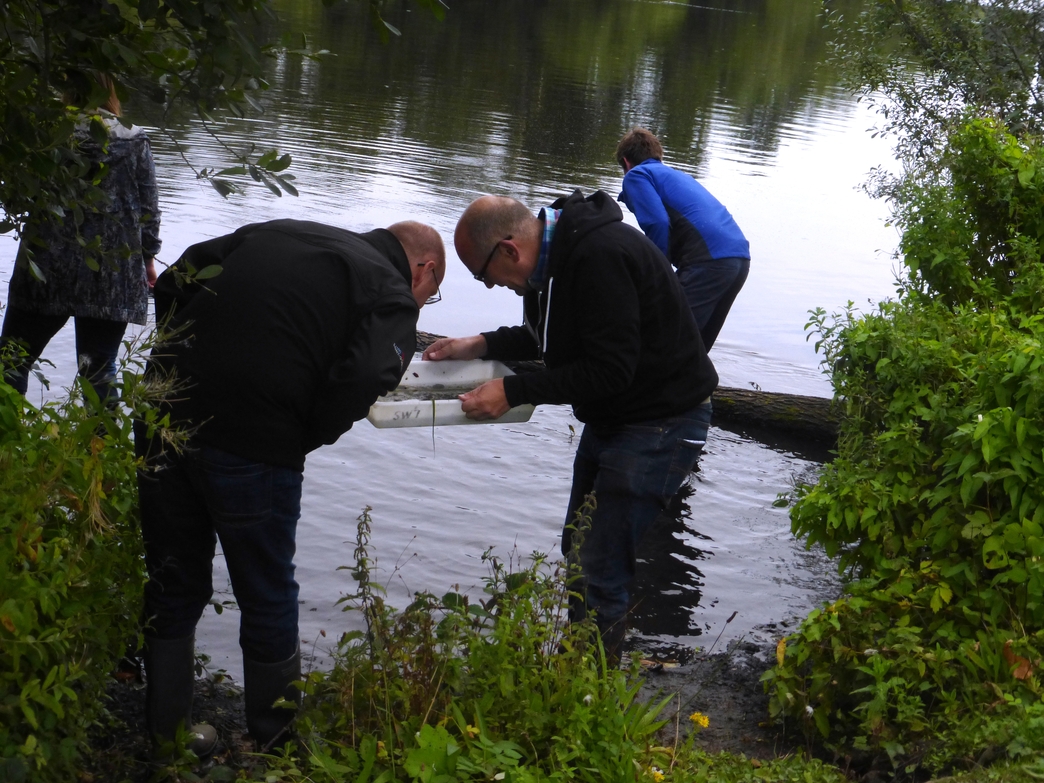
x=488 y=401
x=455 y=348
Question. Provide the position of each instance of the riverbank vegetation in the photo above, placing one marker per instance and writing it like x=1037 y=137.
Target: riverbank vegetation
x=452 y=688
x=71 y=574
x=934 y=505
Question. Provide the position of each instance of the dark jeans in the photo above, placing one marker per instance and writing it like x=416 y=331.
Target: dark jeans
x=634 y=470
x=97 y=344
x=710 y=289
x=206 y=494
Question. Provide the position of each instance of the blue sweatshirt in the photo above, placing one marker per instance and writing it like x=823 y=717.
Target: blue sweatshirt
x=676 y=212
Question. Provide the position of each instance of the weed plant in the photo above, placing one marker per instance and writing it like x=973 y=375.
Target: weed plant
x=71 y=573
x=452 y=688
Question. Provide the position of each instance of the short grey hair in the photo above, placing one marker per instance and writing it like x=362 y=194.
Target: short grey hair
x=506 y=217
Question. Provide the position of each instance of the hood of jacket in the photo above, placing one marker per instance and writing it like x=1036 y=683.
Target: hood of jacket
x=580 y=216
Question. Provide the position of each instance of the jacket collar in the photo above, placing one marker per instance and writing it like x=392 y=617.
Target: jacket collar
x=390 y=247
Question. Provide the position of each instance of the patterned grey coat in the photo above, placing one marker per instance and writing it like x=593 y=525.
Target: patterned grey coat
x=128 y=227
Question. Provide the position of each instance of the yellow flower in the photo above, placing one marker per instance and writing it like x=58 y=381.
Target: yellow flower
x=382 y=753
x=472 y=731
x=700 y=719
x=656 y=774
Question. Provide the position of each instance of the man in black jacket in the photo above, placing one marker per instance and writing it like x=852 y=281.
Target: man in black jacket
x=605 y=312
x=281 y=338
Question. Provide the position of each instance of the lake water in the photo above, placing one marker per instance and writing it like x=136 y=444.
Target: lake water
x=528 y=99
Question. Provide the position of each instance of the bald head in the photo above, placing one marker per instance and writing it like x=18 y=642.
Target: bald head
x=488 y=220
x=426 y=254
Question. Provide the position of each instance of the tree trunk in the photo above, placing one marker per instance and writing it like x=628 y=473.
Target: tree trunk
x=808 y=418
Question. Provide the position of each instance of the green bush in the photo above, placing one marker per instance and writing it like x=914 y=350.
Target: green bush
x=935 y=501
x=70 y=577
x=972 y=220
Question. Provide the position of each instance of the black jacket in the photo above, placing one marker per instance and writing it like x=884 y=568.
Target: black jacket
x=305 y=326
x=612 y=325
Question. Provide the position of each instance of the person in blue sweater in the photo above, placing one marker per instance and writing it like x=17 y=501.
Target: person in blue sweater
x=691 y=227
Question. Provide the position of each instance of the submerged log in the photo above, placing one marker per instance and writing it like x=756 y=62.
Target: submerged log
x=807 y=418
x=812 y=419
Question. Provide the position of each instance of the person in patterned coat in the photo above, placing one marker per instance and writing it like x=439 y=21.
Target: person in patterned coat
x=103 y=286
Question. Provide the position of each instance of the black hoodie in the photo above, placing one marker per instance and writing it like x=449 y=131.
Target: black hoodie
x=612 y=325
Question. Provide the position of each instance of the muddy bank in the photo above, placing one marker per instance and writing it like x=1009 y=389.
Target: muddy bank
x=726 y=687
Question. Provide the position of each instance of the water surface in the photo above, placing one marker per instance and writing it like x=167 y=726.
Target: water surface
x=528 y=99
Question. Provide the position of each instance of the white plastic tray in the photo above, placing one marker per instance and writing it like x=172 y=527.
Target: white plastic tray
x=420 y=400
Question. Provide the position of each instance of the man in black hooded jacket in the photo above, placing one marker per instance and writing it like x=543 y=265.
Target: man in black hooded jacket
x=605 y=312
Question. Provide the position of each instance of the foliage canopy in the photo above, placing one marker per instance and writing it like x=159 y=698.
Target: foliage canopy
x=207 y=56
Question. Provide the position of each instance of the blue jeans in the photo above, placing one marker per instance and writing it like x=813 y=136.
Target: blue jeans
x=710 y=289
x=633 y=470
x=97 y=344
x=205 y=494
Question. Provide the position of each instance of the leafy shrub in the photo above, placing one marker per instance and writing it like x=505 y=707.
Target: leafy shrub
x=935 y=502
x=70 y=577
x=971 y=219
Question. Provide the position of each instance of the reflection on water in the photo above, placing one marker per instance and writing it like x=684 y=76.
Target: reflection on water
x=668 y=587
x=726 y=549
x=529 y=99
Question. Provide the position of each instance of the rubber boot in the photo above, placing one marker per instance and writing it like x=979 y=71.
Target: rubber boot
x=170 y=670
x=264 y=684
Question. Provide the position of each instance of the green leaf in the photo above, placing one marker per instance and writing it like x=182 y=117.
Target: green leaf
x=278 y=165
x=208 y=272
x=129 y=55
x=1026 y=171
x=253 y=102
x=99 y=133
x=285 y=184
x=267 y=182
x=224 y=187
x=454 y=601
x=822 y=721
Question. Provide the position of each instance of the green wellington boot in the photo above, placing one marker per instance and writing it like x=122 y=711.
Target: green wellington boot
x=263 y=685
x=170 y=675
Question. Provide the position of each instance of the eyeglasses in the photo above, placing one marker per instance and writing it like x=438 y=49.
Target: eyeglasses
x=437 y=296
x=481 y=274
